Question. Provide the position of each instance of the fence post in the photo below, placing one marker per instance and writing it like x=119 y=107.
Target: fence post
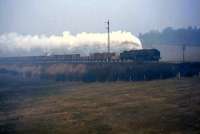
x=179 y=76
x=160 y=76
x=130 y=78
x=144 y=77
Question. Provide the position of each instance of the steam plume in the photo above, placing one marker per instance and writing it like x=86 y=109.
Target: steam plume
x=14 y=44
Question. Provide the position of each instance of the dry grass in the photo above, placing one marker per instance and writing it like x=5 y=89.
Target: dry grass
x=166 y=106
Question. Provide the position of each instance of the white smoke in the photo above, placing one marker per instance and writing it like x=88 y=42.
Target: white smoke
x=13 y=44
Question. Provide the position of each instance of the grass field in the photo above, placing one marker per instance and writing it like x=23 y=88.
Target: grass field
x=152 y=107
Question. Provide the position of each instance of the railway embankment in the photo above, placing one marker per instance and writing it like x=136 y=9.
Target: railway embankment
x=99 y=71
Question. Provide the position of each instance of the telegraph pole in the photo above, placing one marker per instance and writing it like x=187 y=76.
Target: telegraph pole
x=108 y=28
x=183 y=48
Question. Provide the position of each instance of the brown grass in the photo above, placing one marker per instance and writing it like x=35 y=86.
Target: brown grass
x=155 y=107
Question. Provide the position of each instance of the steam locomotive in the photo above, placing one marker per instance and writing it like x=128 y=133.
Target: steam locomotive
x=141 y=55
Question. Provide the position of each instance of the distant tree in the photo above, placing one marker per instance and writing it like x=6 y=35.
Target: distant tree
x=170 y=36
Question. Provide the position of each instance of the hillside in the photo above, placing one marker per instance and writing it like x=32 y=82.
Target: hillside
x=151 y=107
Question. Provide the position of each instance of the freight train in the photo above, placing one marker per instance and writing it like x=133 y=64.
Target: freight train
x=132 y=55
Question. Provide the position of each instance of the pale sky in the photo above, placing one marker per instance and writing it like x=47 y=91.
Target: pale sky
x=55 y=16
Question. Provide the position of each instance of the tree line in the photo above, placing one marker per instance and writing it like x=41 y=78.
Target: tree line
x=171 y=36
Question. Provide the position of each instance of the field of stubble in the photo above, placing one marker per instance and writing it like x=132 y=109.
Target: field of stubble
x=152 y=107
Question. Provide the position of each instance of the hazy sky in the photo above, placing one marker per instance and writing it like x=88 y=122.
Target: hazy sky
x=56 y=16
